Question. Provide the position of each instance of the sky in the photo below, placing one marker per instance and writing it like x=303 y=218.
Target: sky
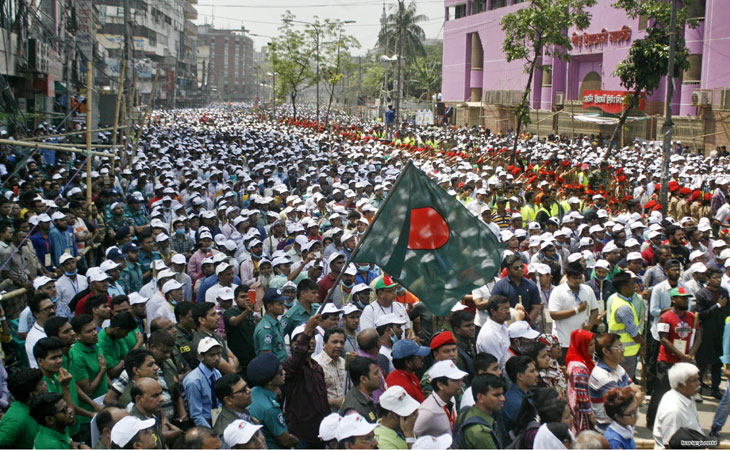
x=264 y=17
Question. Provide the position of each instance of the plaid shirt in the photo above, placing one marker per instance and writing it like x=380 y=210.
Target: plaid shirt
x=184 y=245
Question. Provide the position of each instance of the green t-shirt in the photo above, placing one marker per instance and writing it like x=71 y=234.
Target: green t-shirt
x=240 y=338
x=85 y=366
x=55 y=387
x=478 y=436
x=47 y=438
x=17 y=428
x=114 y=350
x=388 y=438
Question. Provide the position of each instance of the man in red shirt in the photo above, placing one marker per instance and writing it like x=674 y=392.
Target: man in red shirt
x=335 y=262
x=407 y=359
x=679 y=343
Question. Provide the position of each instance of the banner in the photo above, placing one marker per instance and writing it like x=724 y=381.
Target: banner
x=609 y=101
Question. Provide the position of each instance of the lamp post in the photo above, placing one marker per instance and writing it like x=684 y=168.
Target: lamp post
x=273 y=94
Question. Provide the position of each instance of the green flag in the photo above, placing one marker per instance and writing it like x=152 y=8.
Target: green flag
x=430 y=243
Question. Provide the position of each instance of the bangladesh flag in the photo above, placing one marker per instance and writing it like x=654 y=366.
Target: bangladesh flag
x=430 y=243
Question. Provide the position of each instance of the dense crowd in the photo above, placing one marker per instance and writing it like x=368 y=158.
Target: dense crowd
x=205 y=297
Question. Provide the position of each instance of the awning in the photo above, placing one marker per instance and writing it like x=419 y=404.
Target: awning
x=59 y=87
x=604 y=120
x=474 y=104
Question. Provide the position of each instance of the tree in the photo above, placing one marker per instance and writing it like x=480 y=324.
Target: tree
x=648 y=60
x=337 y=58
x=291 y=58
x=401 y=34
x=426 y=73
x=540 y=29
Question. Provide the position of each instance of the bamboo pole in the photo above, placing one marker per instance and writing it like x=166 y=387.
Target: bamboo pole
x=89 y=95
x=129 y=126
x=147 y=112
x=48 y=146
x=116 y=113
x=70 y=133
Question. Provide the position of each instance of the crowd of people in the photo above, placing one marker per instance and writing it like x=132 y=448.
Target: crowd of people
x=205 y=297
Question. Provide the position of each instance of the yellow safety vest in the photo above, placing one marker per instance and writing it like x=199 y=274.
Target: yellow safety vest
x=631 y=347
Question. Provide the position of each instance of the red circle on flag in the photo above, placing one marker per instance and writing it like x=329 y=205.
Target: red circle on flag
x=428 y=231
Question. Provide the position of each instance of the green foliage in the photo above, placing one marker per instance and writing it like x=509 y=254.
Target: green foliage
x=407 y=20
x=290 y=56
x=426 y=73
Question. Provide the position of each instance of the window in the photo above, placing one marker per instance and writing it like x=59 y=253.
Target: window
x=478 y=6
x=460 y=11
x=696 y=9
x=694 y=73
x=498 y=4
x=547 y=75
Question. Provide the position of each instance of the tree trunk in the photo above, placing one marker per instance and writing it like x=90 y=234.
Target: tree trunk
x=614 y=135
x=525 y=103
x=293 y=97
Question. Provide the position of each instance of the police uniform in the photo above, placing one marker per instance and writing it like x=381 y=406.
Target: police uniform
x=295 y=316
x=184 y=343
x=269 y=336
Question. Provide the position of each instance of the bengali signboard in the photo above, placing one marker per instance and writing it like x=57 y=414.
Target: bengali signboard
x=608 y=101
x=604 y=37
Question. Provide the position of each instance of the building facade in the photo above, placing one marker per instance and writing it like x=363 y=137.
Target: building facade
x=225 y=61
x=484 y=88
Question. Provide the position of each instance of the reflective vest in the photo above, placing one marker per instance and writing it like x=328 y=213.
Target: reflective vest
x=529 y=212
x=631 y=347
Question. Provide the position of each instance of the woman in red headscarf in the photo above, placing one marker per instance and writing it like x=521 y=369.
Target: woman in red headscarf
x=579 y=360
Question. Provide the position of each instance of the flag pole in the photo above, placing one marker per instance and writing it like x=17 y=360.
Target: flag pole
x=367 y=233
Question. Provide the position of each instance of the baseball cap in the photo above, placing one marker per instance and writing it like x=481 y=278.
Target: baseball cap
x=433 y=442
x=135 y=299
x=680 y=291
x=178 y=258
x=129 y=247
x=239 y=432
x=221 y=267
x=96 y=274
x=206 y=344
x=65 y=257
x=333 y=257
x=521 y=329
x=602 y=264
x=127 y=428
x=385 y=283
x=273 y=295
x=634 y=256
x=353 y=425
x=171 y=285
x=404 y=348
x=359 y=288
x=328 y=427
x=39 y=282
x=396 y=399
x=447 y=369
x=349 y=309
x=225 y=293
x=388 y=319
x=109 y=265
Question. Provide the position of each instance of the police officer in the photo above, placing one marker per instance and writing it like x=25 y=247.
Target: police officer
x=268 y=336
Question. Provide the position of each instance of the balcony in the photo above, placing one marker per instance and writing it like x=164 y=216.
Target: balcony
x=190 y=12
x=190 y=28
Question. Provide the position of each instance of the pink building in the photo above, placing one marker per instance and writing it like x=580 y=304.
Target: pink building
x=484 y=88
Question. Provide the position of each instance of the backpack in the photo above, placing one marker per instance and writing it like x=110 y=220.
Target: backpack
x=518 y=441
x=460 y=429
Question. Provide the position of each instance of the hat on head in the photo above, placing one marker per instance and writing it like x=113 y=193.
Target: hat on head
x=349 y=309
x=273 y=295
x=404 y=348
x=602 y=264
x=433 y=442
x=178 y=258
x=41 y=281
x=171 y=285
x=634 y=256
x=95 y=274
x=330 y=308
x=127 y=428
x=129 y=247
x=396 y=399
x=680 y=291
x=206 y=344
x=262 y=369
x=222 y=267
x=239 y=432
x=447 y=369
x=225 y=293
x=328 y=427
x=389 y=319
x=385 y=282
x=65 y=257
x=441 y=339
x=333 y=257
x=521 y=329
x=136 y=299
x=353 y=425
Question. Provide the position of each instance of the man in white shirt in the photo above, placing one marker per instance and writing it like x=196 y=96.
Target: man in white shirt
x=389 y=329
x=42 y=308
x=224 y=271
x=677 y=409
x=333 y=366
x=493 y=337
x=159 y=297
x=572 y=305
x=385 y=290
x=70 y=283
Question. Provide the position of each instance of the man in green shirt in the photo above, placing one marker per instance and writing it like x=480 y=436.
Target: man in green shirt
x=207 y=319
x=54 y=416
x=480 y=432
x=48 y=352
x=240 y=325
x=88 y=365
x=304 y=308
x=184 y=333
x=397 y=418
x=268 y=336
x=17 y=427
x=131 y=275
x=114 y=343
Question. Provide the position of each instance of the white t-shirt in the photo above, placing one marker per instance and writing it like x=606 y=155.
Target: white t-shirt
x=723 y=213
x=372 y=311
x=563 y=298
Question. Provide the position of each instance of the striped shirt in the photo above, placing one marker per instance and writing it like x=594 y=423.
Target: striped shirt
x=602 y=379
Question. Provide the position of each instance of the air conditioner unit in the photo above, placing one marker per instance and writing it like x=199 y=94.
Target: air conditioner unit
x=702 y=97
x=724 y=99
x=559 y=98
x=38 y=56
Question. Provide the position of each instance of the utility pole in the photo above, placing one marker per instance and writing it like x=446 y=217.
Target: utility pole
x=401 y=10
x=317 y=29
x=668 y=124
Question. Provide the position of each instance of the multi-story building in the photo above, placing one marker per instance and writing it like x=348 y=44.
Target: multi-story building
x=484 y=88
x=225 y=62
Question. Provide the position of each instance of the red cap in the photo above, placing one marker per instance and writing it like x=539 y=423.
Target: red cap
x=441 y=339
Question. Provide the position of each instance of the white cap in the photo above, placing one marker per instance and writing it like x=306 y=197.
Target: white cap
x=136 y=299
x=573 y=257
x=297 y=331
x=65 y=257
x=206 y=344
x=631 y=242
x=725 y=254
x=328 y=427
x=543 y=269
x=447 y=369
x=221 y=267
x=165 y=273
x=353 y=425
x=506 y=235
x=433 y=442
x=219 y=257
x=602 y=264
x=351 y=269
x=521 y=329
x=39 y=282
x=574 y=200
x=585 y=241
x=654 y=233
x=224 y=293
x=330 y=308
x=280 y=260
x=58 y=215
x=349 y=309
x=239 y=432
x=609 y=247
x=634 y=256
x=698 y=268
x=396 y=399
x=334 y=256
x=388 y=319
x=44 y=218
x=108 y=265
x=696 y=254
x=162 y=237
x=346 y=235
x=171 y=285
x=127 y=428
x=533 y=226
x=96 y=274
x=595 y=229
x=178 y=258
x=359 y=288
